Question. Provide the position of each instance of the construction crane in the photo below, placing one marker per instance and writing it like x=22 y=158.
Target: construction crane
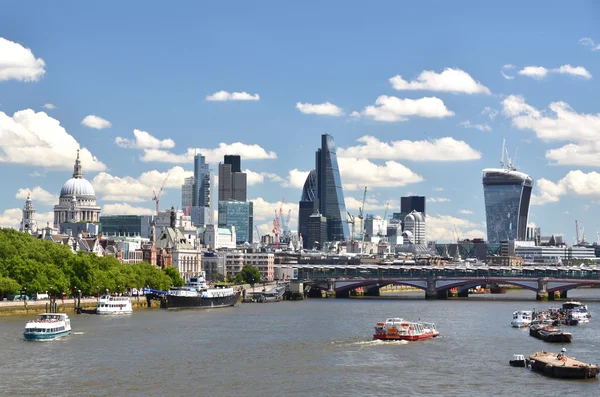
x=457 y=235
x=277 y=223
x=187 y=210
x=156 y=196
x=257 y=233
x=361 y=212
x=351 y=221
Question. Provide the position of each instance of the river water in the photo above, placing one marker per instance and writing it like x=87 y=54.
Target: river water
x=315 y=347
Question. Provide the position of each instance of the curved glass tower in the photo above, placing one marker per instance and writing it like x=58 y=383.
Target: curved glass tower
x=507 y=194
x=306 y=206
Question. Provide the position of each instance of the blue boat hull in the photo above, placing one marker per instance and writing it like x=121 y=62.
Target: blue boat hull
x=45 y=335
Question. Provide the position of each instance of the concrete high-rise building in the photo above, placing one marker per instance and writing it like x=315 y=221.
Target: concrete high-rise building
x=232 y=181
x=330 y=196
x=187 y=192
x=507 y=194
x=414 y=228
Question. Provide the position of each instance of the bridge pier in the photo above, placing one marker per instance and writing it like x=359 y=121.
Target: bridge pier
x=557 y=295
x=431 y=292
x=542 y=293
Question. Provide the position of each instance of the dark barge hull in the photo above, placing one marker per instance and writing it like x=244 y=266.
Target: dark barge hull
x=558 y=371
x=196 y=302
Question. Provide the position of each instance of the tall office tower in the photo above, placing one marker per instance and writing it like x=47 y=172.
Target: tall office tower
x=187 y=192
x=236 y=213
x=330 y=196
x=232 y=182
x=414 y=228
x=200 y=211
x=412 y=203
x=306 y=207
x=507 y=193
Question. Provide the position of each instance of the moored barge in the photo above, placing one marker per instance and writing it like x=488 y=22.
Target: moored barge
x=561 y=366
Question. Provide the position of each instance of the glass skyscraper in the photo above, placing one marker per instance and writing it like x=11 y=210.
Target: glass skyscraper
x=507 y=194
x=201 y=194
x=330 y=196
x=236 y=213
x=306 y=206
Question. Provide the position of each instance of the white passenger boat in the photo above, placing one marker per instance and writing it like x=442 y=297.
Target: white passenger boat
x=522 y=318
x=48 y=326
x=114 y=305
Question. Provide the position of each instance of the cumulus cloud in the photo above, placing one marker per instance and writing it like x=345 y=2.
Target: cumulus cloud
x=19 y=63
x=506 y=76
x=491 y=113
x=255 y=178
x=326 y=109
x=576 y=183
x=356 y=173
x=540 y=72
x=11 y=218
x=508 y=66
x=438 y=200
x=441 y=227
x=233 y=96
x=38 y=195
x=48 y=106
x=480 y=127
x=248 y=152
x=442 y=149
x=36 y=139
x=449 y=80
x=393 y=109
x=130 y=189
x=295 y=179
x=587 y=42
x=125 y=209
x=143 y=140
x=96 y=122
x=559 y=123
x=371 y=204
x=466 y=212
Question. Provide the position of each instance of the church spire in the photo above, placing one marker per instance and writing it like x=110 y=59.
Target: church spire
x=77 y=170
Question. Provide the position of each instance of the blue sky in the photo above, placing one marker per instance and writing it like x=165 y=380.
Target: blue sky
x=149 y=66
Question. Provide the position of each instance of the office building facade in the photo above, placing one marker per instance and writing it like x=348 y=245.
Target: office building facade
x=507 y=194
x=317 y=232
x=330 y=196
x=307 y=205
x=236 y=213
x=232 y=181
x=187 y=192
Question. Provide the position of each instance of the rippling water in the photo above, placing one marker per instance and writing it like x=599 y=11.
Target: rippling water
x=315 y=347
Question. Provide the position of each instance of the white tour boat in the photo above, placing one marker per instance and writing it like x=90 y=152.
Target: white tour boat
x=48 y=326
x=522 y=318
x=114 y=305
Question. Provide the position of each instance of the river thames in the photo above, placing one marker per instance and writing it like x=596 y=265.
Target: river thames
x=315 y=347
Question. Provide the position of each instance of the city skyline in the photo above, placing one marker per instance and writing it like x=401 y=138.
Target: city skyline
x=411 y=114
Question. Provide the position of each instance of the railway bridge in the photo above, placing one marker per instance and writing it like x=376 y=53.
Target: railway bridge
x=437 y=281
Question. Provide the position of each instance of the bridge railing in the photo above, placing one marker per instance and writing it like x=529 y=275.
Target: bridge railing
x=357 y=272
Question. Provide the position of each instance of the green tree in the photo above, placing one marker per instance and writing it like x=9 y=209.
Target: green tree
x=173 y=273
x=250 y=274
x=8 y=286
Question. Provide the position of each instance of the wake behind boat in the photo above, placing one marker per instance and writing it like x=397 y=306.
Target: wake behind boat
x=195 y=294
x=48 y=326
x=399 y=329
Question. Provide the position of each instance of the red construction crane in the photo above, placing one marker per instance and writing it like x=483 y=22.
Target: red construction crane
x=187 y=209
x=156 y=196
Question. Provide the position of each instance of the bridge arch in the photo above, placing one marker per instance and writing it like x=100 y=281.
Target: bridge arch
x=471 y=283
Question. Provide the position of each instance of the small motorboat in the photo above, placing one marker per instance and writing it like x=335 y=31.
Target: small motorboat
x=522 y=318
x=519 y=360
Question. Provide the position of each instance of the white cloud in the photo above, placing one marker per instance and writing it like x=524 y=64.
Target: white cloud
x=355 y=115
x=371 y=204
x=11 y=218
x=38 y=195
x=537 y=72
x=576 y=183
x=36 y=139
x=587 y=42
x=19 y=63
x=129 y=189
x=450 y=80
x=540 y=72
x=442 y=149
x=326 y=109
x=357 y=173
x=508 y=66
x=466 y=212
x=254 y=178
x=125 y=209
x=265 y=211
x=295 y=179
x=49 y=106
x=143 y=140
x=440 y=228
x=480 y=127
x=248 y=152
x=506 y=76
x=234 y=96
x=438 y=189
x=96 y=122
x=438 y=200
x=392 y=109
x=491 y=113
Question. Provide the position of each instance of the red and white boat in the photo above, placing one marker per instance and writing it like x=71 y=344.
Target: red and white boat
x=399 y=329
